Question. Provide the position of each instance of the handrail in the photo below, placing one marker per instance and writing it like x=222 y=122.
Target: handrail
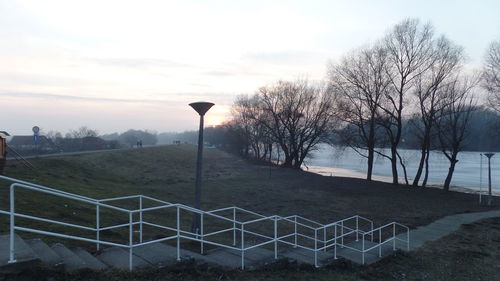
x=19 y=157
x=44 y=187
x=69 y=196
x=322 y=238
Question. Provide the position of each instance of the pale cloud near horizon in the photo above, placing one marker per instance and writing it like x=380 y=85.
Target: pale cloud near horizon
x=115 y=65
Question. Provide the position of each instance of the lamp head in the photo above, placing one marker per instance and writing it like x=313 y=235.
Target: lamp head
x=489 y=155
x=201 y=107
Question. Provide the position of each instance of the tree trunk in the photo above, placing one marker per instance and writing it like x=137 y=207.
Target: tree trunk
x=420 y=166
x=371 y=148
x=370 y=163
x=426 y=176
x=394 y=165
x=453 y=162
x=404 y=168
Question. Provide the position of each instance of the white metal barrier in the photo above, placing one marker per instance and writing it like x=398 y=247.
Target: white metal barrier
x=326 y=236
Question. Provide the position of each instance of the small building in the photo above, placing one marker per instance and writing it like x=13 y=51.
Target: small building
x=27 y=143
x=3 y=149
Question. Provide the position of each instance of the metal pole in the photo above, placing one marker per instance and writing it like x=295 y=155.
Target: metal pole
x=130 y=241
x=178 y=235
x=480 y=178
x=201 y=234
x=234 y=226
x=489 y=180
x=380 y=242
x=408 y=239
x=140 y=219
x=357 y=228
x=342 y=234
x=335 y=247
x=324 y=236
x=295 y=245
x=242 y=247
x=98 y=226
x=12 y=225
x=394 y=237
x=363 y=249
x=371 y=228
x=199 y=164
x=316 y=247
x=275 y=238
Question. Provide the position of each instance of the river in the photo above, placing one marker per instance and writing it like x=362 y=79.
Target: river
x=331 y=161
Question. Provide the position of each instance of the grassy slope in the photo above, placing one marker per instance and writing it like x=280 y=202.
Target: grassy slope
x=168 y=173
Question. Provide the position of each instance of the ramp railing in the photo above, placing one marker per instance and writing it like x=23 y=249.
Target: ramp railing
x=231 y=228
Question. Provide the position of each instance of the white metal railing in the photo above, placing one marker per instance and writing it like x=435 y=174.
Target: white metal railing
x=301 y=232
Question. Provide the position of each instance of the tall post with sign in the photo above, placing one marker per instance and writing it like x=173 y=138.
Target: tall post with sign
x=36 y=138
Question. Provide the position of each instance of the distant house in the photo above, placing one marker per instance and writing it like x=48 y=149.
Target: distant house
x=27 y=143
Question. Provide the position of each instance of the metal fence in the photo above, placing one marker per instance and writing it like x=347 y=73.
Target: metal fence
x=244 y=230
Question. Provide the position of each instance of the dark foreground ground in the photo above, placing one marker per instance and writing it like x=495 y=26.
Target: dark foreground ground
x=168 y=173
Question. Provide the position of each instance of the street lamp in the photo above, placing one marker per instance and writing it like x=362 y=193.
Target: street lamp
x=201 y=108
x=489 y=155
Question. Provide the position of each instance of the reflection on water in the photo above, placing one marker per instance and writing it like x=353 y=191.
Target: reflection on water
x=346 y=162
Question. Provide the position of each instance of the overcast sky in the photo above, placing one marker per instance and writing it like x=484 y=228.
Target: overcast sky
x=116 y=65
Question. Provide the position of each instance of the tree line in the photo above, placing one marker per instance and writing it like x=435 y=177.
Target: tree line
x=411 y=80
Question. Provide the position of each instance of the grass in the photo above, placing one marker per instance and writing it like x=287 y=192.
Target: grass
x=167 y=173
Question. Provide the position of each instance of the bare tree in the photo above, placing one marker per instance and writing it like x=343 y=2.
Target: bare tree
x=247 y=117
x=53 y=135
x=446 y=59
x=82 y=132
x=360 y=81
x=452 y=126
x=409 y=47
x=491 y=74
x=297 y=116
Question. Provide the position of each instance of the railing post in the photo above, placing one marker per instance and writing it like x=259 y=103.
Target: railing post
x=380 y=242
x=394 y=237
x=275 y=238
x=363 y=250
x=242 y=247
x=98 y=226
x=357 y=228
x=335 y=243
x=178 y=235
x=12 y=226
x=140 y=219
x=342 y=234
x=408 y=239
x=130 y=241
x=201 y=233
x=324 y=237
x=295 y=245
x=234 y=226
x=371 y=225
x=316 y=247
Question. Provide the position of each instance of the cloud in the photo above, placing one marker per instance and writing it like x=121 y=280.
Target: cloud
x=137 y=62
x=80 y=98
x=284 y=57
x=175 y=99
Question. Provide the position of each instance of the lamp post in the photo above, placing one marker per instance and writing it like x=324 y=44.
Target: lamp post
x=489 y=155
x=201 y=108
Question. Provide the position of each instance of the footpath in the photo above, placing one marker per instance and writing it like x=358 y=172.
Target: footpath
x=445 y=226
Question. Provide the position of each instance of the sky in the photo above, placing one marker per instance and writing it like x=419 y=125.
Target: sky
x=116 y=65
